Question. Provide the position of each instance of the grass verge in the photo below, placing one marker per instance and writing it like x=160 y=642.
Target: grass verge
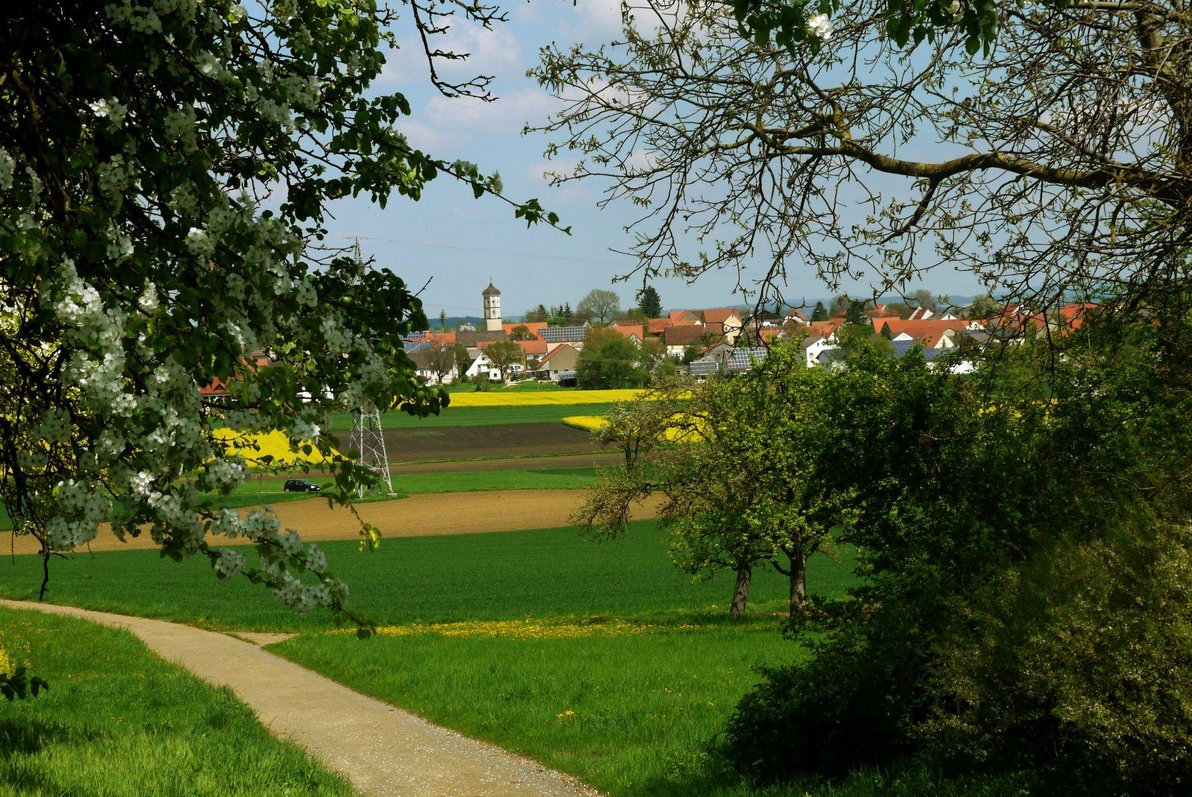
x=119 y=721
x=627 y=708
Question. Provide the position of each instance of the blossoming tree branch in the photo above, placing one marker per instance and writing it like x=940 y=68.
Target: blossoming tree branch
x=164 y=172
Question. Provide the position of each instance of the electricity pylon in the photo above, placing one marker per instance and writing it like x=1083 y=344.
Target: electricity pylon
x=368 y=441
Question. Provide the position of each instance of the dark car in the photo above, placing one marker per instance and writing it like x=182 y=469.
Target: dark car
x=301 y=486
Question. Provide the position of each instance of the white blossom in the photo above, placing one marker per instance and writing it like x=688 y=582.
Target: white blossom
x=301 y=431
x=821 y=26
x=148 y=301
x=7 y=169
x=199 y=242
x=229 y=563
x=141 y=483
x=316 y=560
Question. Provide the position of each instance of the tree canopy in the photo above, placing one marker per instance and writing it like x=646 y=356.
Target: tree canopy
x=600 y=305
x=1060 y=162
x=649 y=302
x=611 y=360
x=738 y=461
x=165 y=170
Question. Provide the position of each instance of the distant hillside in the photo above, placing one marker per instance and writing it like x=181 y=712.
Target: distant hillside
x=454 y=321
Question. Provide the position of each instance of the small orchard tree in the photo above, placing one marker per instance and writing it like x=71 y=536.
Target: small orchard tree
x=165 y=170
x=738 y=463
x=504 y=355
x=442 y=361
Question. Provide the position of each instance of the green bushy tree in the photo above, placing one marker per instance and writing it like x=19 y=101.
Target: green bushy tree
x=1022 y=548
x=611 y=360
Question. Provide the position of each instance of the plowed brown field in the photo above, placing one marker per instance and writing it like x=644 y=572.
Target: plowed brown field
x=416 y=516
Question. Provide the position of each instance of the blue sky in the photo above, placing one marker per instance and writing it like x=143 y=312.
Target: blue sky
x=453 y=244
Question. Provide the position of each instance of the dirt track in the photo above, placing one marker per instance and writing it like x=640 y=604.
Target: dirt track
x=417 y=516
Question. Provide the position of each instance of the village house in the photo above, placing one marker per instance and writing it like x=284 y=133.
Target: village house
x=559 y=362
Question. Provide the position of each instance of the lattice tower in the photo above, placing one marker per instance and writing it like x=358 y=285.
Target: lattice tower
x=369 y=445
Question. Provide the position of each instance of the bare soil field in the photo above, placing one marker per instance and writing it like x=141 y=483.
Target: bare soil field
x=415 y=516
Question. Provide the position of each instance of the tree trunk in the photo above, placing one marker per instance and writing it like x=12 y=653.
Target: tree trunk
x=798 y=579
x=741 y=590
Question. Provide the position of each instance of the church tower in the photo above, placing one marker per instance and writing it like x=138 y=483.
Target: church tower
x=492 y=308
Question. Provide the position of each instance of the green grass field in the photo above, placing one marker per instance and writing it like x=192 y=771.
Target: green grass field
x=118 y=721
x=642 y=656
x=598 y=659
x=269 y=491
x=506 y=576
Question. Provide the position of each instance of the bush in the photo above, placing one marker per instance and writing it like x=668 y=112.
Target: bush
x=1080 y=663
x=806 y=718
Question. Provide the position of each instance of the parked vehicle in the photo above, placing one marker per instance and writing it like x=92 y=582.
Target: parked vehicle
x=300 y=486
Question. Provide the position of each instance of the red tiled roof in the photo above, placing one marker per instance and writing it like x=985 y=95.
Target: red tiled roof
x=823 y=329
x=879 y=320
x=444 y=338
x=532 y=348
x=656 y=326
x=1075 y=314
x=628 y=329
x=927 y=330
x=719 y=315
x=533 y=326
x=682 y=317
x=683 y=335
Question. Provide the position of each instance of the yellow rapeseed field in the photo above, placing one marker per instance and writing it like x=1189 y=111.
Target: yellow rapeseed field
x=544 y=398
x=271 y=449
x=591 y=423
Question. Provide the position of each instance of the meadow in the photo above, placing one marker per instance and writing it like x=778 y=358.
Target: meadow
x=550 y=573
x=266 y=490
x=117 y=720
x=598 y=659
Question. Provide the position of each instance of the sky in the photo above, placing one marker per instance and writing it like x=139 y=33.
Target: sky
x=448 y=246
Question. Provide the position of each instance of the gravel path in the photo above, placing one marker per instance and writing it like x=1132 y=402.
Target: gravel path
x=382 y=750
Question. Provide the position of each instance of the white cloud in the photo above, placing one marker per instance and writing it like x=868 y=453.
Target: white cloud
x=490 y=52
x=508 y=114
x=601 y=17
x=446 y=122
x=542 y=170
